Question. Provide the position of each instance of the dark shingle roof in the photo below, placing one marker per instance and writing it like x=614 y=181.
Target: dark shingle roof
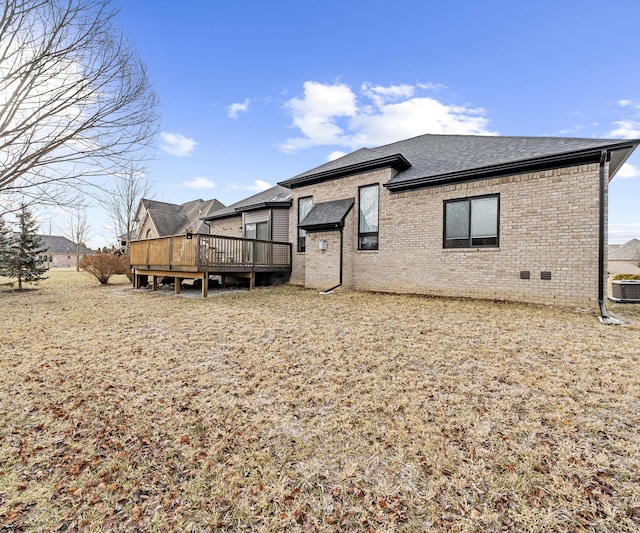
x=435 y=159
x=173 y=219
x=275 y=196
x=61 y=245
x=629 y=251
x=327 y=215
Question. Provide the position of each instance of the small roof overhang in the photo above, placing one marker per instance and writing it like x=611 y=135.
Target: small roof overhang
x=327 y=216
x=395 y=161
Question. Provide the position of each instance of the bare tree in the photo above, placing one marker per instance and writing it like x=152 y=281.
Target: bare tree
x=75 y=100
x=77 y=231
x=121 y=203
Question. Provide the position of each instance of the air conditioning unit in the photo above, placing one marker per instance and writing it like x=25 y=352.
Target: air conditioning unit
x=626 y=291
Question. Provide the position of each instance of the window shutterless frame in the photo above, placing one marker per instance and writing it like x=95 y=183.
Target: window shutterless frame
x=304 y=206
x=368 y=216
x=472 y=222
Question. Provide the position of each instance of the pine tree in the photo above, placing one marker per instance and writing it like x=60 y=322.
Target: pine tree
x=25 y=260
x=5 y=243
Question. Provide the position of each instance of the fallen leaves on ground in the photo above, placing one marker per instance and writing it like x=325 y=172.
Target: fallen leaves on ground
x=279 y=409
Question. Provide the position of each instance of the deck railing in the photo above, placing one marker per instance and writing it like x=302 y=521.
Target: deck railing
x=204 y=252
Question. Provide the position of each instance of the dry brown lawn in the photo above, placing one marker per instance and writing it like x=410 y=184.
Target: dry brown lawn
x=283 y=410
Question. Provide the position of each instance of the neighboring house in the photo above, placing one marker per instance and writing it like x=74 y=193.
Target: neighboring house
x=62 y=251
x=624 y=258
x=509 y=218
x=161 y=219
x=263 y=216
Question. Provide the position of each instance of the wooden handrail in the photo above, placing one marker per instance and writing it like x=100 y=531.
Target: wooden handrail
x=202 y=251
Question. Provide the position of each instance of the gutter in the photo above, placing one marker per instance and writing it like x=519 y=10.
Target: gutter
x=330 y=291
x=604 y=316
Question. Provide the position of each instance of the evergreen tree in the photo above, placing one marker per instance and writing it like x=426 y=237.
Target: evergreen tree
x=25 y=260
x=5 y=243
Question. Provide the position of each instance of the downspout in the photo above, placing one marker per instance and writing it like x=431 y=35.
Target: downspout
x=329 y=291
x=604 y=317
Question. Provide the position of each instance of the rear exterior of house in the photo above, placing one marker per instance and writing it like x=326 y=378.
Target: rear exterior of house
x=62 y=252
x=500 y=218
x=263 y=216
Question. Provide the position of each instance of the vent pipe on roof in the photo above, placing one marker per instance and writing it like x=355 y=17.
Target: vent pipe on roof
x=604 y=317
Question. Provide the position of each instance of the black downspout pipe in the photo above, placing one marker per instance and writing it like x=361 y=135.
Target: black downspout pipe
x=341 y=261
x=601 y=283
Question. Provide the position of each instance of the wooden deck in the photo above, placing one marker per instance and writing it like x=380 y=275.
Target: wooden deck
x=197 y=256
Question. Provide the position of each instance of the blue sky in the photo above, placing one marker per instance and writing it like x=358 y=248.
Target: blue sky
x=253 y=92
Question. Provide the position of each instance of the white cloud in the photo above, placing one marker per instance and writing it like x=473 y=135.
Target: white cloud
x=626 y=129
x=381 y=115
x=337 y=154
x=315 y=115
x=199 y=183
x=235 y=109
x=256 y=186
x=629 y=103
x=177 y=144
x=621 y=233
x=381 y=95
x=628 y=171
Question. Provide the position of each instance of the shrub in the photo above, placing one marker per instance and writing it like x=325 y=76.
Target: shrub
x=103 y=266
x=618 y=277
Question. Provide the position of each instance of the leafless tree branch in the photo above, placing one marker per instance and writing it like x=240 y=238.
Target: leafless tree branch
x=75 y=100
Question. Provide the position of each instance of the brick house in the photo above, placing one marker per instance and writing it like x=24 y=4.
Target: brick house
x=624 y=258
x=509 y=218
x=62 y=252
x=160 y=219
x=263 y=216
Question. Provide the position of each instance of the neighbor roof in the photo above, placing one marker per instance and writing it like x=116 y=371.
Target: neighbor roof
x=172 y=219
x=429 y=160
x=327 y=215
x=61 y=245
x=629 y=251
x=277 y=196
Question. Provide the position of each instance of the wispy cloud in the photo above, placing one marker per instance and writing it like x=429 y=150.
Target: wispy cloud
x=629 y=126
x=235 y=109
x=337 y=154
x=334 y=114
x=199 y=183
x=177 y=144
x=628 y=171
x=626 y=129
x=621 y=233
x=256 y=186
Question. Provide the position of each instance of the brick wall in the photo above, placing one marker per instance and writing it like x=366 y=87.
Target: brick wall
x=548 y=222
x=227 y=227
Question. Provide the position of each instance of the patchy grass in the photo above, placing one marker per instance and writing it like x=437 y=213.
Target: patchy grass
x=280 y=409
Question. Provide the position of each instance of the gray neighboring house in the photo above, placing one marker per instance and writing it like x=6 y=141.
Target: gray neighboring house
x=263 y=216
x=162 y=219
x=624 y=258
x=62 y=251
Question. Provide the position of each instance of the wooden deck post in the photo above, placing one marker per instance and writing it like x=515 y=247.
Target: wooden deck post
x=205 y=284
x=155 y=283
x=178 y=285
